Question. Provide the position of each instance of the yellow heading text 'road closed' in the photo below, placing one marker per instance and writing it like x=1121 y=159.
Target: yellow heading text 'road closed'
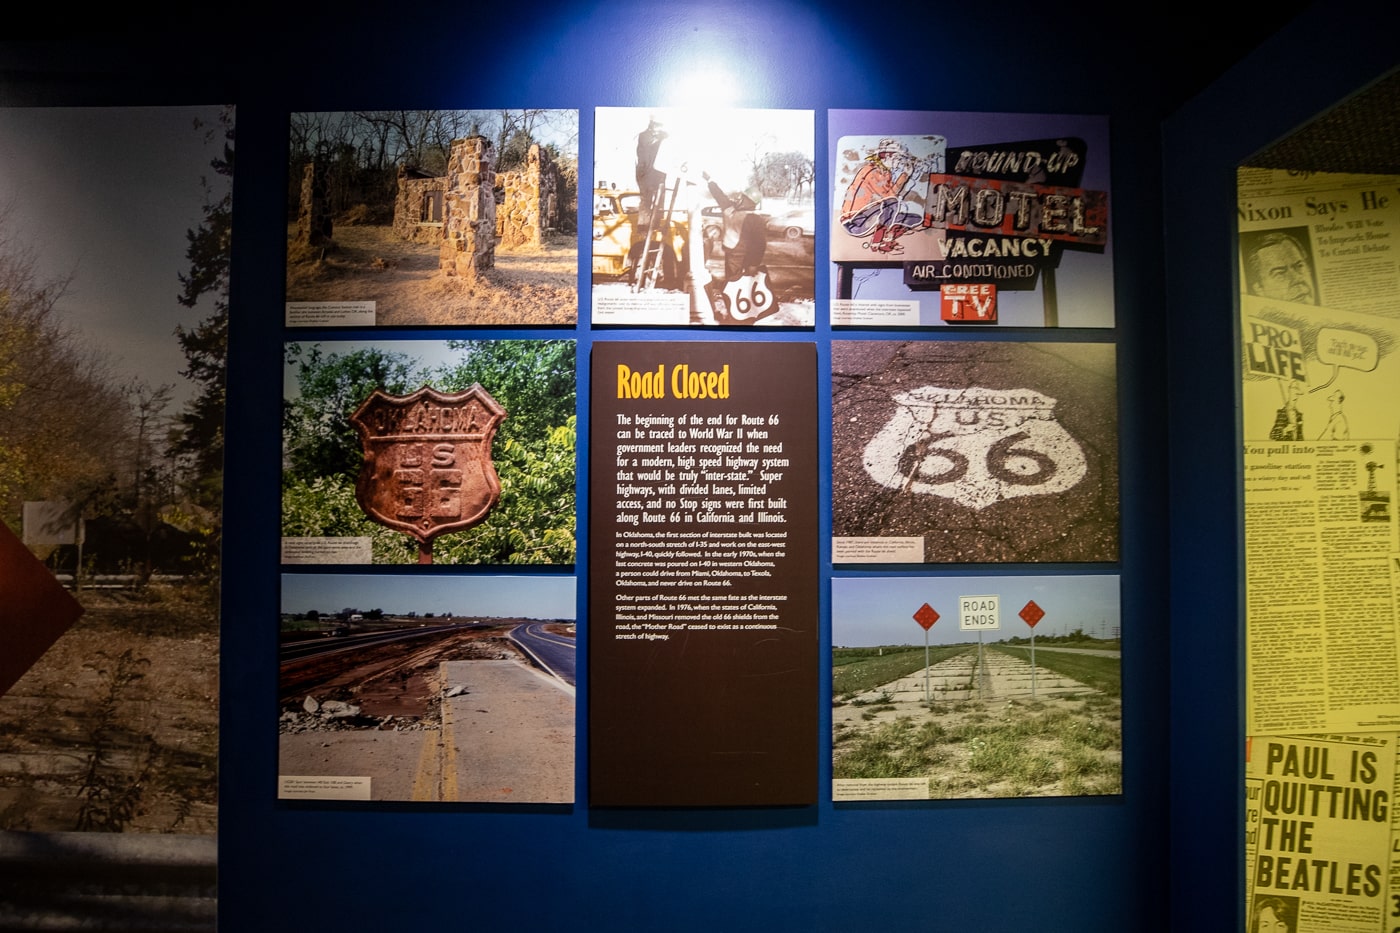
x=684 y=383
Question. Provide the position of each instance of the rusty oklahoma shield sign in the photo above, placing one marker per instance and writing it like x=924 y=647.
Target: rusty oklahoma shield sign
x=427 y=466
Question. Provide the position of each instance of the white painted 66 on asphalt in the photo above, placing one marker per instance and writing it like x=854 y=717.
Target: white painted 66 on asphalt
x=974 y=445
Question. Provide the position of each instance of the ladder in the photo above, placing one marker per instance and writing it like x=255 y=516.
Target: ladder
x=657 y=240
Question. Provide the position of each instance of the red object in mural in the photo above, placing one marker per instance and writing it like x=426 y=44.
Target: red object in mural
x=36 y=609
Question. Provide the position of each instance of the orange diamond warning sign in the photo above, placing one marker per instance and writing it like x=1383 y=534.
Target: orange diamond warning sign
x=1032 y=613
x=926 y=616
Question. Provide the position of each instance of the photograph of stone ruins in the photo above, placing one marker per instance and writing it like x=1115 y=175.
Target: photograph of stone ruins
x=436 y=217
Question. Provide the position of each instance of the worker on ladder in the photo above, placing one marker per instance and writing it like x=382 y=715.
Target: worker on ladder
x=653 y=253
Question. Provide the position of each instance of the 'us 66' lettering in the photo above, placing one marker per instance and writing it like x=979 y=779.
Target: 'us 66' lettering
x=975 y=446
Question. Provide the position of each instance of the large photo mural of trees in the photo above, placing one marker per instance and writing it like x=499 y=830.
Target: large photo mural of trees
x=114 y=316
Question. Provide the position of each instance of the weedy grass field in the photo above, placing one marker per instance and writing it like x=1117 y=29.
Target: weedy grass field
x=1101 y=672
x=855 y=670
x=982 y=732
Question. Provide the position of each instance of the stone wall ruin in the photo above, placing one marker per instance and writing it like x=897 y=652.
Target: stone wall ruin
x=529 y=205
x=469 y=209
x=466 y=212
x=526 y=204
x=418 y=206
x=314 y=226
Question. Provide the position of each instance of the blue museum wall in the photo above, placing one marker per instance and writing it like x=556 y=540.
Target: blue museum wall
x=1066 y=864
x=1166 y=849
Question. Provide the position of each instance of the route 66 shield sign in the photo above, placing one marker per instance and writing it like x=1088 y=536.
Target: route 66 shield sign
x=427 y=467
x=748 y=297
x=974 y=445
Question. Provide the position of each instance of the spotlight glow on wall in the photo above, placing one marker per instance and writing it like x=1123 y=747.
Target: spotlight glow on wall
x=714 y=86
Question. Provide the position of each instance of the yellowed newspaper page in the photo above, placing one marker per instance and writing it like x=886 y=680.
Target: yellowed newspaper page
x=1319 y=276
x=1320 y=418
x=1392 y=897
x=1318 y=831
x=1322 y=648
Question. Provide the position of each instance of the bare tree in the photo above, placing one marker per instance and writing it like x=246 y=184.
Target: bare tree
x=784 y=174
x=61 y=415
x=362 y=151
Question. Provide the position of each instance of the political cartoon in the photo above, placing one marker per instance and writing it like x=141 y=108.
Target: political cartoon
x=1317 y=374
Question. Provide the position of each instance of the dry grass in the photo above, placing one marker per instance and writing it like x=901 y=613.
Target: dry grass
x=986 y=733
x=371 y=263
x=116 y=726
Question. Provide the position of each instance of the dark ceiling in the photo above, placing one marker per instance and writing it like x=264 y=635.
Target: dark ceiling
x=1193 y=43
x=1179 y=49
